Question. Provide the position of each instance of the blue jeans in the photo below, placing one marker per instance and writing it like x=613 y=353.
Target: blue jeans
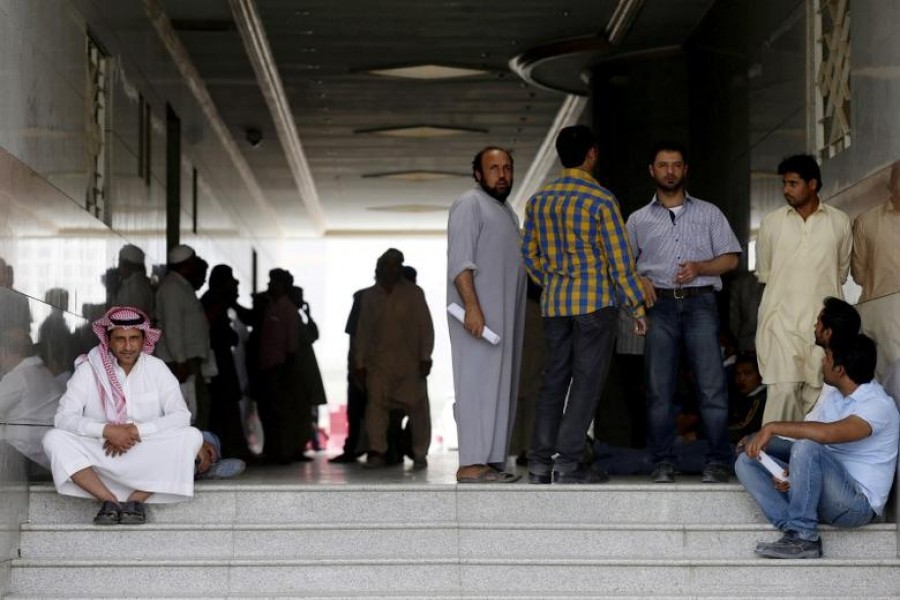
x=821 y=490
x=693 y=323
x=579 y=350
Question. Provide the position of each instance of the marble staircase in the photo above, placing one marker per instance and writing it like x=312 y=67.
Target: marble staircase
x=619 y=540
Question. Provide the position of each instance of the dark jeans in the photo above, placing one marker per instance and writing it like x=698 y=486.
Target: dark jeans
x=692 y=323
x=578 y=354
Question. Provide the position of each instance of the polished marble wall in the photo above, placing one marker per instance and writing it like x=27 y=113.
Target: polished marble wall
x=55 y=256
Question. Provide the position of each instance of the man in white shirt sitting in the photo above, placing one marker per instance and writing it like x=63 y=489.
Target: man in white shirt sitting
x=841 y=462
x=122 y=432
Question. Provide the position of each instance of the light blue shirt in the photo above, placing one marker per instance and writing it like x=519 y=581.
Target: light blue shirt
x=661 y=239
x=871 y=461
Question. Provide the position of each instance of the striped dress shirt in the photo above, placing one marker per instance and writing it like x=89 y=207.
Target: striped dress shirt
x=661 y=240
x=576 y=247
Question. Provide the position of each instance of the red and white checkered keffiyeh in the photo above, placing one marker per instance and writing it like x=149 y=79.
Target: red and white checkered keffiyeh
x=103 y=362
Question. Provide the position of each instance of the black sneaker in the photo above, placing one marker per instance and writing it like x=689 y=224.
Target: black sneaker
x=790 y=546
x=581 y=477
x=343 y=459
x=663 y=473
x=716 y=473
x=539 y=478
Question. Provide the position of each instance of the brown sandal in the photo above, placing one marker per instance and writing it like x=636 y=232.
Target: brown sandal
x=486 y=474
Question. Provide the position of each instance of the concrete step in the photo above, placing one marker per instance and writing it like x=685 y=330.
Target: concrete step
x=282 y=504
x=473 y=577
x=432 y=540
x=527 y=504
x=470 y=596
x=440 y=542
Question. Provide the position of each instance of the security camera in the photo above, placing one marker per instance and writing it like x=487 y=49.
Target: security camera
x=254 y=137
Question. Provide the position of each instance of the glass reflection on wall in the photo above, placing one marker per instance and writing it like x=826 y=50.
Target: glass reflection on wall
x=875 y=267
x=29 y=390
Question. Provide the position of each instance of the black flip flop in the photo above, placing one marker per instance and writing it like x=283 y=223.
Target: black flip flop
x=133 y=513
x=110 y=513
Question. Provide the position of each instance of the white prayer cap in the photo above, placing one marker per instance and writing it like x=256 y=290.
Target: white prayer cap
x=179 y=254
x=132 y=254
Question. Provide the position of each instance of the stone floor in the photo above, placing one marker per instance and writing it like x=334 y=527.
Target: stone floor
x=441 y=470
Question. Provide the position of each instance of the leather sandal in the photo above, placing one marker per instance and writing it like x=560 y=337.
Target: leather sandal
x=133 y=513
x=109 y=514
x=488 y=474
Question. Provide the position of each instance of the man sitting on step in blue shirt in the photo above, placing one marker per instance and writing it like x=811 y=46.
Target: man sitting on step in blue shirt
x=840 y=461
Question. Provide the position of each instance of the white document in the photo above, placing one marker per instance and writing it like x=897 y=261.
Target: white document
x=772 y=467
x=459 y=313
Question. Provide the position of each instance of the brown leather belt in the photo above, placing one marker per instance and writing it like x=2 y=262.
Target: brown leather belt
x=688 y=292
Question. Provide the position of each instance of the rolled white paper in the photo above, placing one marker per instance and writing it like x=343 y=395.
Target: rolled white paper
x=772 y=467
x=459 y=313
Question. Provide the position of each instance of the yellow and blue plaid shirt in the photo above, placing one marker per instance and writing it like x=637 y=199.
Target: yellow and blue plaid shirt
x=576 y=247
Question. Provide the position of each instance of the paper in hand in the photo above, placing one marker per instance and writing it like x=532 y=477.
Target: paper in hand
x=459 y=313
x=773 y=467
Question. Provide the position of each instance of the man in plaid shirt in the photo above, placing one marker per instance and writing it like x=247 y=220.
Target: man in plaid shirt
x=575 y=246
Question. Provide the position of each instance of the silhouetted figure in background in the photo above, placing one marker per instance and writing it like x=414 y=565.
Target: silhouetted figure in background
x=14 y=309
x=395 y=338
x=356 y=392
x=134 y=287
x=83 y=338
x=225 y=387
x=185 y=346
x=55 y=341
x=309 y=385
x=278 y=344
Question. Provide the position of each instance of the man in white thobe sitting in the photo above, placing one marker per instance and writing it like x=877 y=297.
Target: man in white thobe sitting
x=122 y=432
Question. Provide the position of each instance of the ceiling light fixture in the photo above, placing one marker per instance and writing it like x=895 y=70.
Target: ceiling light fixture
x=421 y=131
x=427 y=72
x=416 y=176
x=409 y=208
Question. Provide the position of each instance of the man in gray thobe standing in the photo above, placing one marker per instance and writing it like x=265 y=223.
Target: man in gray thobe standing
x=486 y=277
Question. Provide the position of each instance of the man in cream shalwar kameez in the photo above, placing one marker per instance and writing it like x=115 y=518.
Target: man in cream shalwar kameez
x=122 y=432
x=803 y=256
x=486 y=276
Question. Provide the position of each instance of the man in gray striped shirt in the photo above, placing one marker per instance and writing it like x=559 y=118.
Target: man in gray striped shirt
x=682 y=245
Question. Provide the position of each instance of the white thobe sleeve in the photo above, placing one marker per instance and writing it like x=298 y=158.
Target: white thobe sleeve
x=463 y=229
x=175 y=413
